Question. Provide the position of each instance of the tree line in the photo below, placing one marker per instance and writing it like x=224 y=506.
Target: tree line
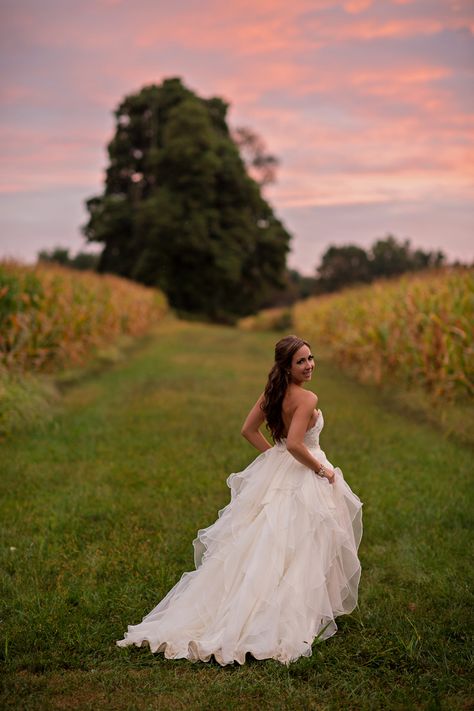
x=350 y=264
x=340 y=266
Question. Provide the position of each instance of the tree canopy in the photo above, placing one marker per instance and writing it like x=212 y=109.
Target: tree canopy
x=180 y=211
x=349 y=264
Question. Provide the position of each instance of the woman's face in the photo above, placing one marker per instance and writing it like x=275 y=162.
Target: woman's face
x=302 y=365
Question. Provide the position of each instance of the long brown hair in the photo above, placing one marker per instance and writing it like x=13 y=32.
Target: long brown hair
x=277 y=384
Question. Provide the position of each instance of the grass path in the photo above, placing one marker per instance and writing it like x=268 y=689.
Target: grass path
x=99 y=508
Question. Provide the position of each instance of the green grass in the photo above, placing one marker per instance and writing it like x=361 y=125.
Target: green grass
x=99 y=507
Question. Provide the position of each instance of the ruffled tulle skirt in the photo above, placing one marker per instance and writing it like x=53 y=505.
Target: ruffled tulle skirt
x=272 y=573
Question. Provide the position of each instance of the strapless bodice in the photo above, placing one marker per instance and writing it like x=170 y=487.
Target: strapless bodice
x=311 y=438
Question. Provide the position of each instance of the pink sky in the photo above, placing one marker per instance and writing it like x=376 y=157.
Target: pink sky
x=369 y=104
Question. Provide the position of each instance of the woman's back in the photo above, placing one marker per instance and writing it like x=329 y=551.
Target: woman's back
x=294 y=398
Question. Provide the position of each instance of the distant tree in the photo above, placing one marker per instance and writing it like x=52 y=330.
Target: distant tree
x=458 y=263
x=84 y=261
x=60 y=255
x=304 y=285
x=179 y=210
x=349 y=264
x=424 y=260
x=389 y=257
x=296 y=287
x=341 y=266
x=260 y=164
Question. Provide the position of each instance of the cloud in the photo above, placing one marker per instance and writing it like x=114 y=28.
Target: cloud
x=365 y=103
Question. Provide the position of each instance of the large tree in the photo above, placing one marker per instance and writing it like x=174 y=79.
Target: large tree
x=179 y=209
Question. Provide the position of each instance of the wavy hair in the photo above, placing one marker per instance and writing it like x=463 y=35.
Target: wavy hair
x=277 y=384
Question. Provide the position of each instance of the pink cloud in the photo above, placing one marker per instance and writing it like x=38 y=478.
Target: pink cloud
x=34 y=160
x=357 y=123
x=356 y=6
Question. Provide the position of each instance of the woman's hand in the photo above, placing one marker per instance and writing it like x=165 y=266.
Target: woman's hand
x=326 y=473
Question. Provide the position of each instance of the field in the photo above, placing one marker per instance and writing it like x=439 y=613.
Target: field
x=99 y=508
x=54 y=320
x=417 y=329
x=53 y=317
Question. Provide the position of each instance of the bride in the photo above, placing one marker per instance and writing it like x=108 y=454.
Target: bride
x=280 y=563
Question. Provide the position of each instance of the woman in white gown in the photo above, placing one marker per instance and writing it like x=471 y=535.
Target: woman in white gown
x=280 y=563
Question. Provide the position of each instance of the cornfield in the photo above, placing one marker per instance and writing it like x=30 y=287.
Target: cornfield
x=275 y=319
x=418 y=328
x=52 y=317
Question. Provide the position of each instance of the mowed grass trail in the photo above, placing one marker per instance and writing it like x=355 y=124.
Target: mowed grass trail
x=100 y=506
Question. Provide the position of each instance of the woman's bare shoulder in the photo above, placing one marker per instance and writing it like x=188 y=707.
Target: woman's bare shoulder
x=306 y=398
x=307 y=395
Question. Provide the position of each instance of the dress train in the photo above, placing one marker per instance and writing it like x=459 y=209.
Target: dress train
x=272 y=573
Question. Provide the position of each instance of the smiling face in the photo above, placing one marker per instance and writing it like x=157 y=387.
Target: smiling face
x=302 y=365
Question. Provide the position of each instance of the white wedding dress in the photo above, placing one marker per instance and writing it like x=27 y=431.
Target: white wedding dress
x=272 y=573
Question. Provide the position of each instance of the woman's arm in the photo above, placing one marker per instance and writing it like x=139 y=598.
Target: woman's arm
x=294 y=442
x=251 y=427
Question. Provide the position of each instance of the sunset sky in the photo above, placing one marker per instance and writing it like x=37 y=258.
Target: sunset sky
x=368 y=104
